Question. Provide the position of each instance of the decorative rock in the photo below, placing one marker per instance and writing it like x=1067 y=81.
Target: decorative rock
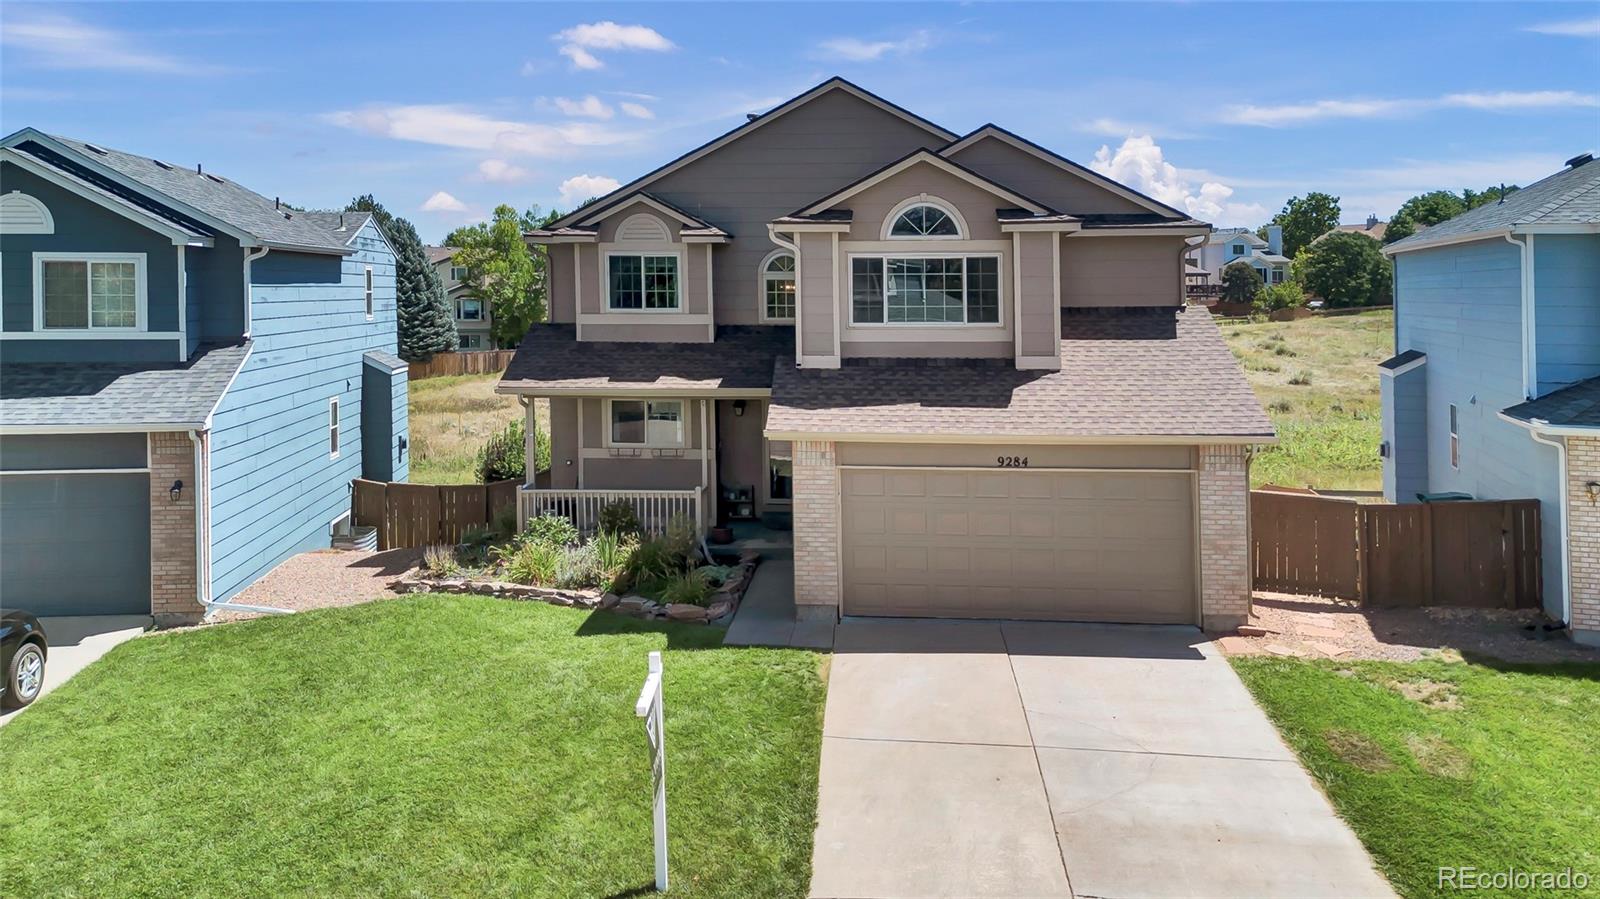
x=718 y=609
x=1252 y=630
x=748 y=555
x=609 y=600
x=680 y=611
x=634 y=604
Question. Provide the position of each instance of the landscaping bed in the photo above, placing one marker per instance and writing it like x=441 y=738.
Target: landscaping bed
x=426 y=746
x=1443 y=764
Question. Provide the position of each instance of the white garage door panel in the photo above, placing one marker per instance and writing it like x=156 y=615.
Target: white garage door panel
x=1026 y=544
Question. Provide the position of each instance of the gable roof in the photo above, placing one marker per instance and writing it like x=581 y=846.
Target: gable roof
x=1568 y=201
x=1226 y=235
x=995 y=132
x=347 y=225
x=437 y=255
x=832 y=84
x=176 y=228
x=689 y=221
x=209 y=199
x=928 y=157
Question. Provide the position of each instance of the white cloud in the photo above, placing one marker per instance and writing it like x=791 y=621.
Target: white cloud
x=578 y=188
x=443 y=202
x=455 y=126
x=856 y=50
x=590 y=107
x=501 y=172
x=1570 y=28
x=577 y=41
x=1301 y=113
x=58 y=41
x=637 y=110
x=1140 y=164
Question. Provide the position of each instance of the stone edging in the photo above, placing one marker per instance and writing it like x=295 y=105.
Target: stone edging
x=723 y=603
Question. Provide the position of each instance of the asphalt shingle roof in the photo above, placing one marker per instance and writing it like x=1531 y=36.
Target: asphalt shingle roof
x=1577 y=406
x=180 y=394
x=342 y=225
x=1569 y=197
x=1149 y=372
x=216 y=196
x=551 y=357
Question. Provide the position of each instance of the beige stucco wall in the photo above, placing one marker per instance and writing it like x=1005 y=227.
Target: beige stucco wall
x=1121 y=271
x=1040 y=180
x=1583 y=538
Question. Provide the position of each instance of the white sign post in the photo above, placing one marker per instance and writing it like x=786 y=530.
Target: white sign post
x=649 y=708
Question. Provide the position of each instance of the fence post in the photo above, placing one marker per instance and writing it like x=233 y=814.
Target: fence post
x=1427 y=554
x=1363 y=556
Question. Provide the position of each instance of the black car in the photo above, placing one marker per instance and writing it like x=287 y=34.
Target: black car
x=22 y=652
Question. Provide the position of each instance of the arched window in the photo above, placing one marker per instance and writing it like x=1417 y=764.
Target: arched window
x=777 y=287
x=925 y=220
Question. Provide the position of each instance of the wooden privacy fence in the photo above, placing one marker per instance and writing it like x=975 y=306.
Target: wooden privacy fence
x=413 y=515
x=472 y=362
x=1484 y=554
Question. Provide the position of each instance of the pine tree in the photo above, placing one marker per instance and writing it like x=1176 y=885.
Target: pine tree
x=424 y=319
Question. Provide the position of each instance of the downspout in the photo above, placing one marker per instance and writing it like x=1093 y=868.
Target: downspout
x=1530 y=378
x=1566 y=563
x=250 y=257
x=1183 y=270
x=202 y=537
x=793 y=247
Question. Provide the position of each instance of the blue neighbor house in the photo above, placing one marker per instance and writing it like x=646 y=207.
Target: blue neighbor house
x=190 y=376
x=1495 y=388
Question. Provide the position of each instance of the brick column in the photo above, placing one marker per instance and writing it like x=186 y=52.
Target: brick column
x=1583 y=538
x=1224 y=537
x=174 y=593
x=816 y=530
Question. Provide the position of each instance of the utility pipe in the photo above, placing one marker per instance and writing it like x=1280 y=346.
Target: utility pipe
x=1566 y=563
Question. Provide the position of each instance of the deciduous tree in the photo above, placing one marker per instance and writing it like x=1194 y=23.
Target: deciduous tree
x=1304 y=219
x=502 y=270
x=1241 y=282
x=1346 y=269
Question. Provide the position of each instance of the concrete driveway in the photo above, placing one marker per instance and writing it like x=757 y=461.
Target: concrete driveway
x=76 y=642
x=1040 y=759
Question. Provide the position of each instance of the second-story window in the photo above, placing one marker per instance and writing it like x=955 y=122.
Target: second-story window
x=469 y=310
x=369 y=292
x=89 y=291
x=458 y=273
x=924 y=220
x=642 y=282
x=777 y=287
x=897 y=290
x=1238 y=249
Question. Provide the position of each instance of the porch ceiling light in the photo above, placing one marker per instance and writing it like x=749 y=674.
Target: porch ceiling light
x=738 y=408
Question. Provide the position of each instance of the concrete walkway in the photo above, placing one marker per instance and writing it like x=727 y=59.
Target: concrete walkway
x=766 y=614
x=1041 y=759
x=78 y=641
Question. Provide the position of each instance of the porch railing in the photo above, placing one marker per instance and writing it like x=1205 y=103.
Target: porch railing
x=655 y=508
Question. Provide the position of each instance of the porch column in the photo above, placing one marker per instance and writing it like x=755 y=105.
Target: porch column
x=816 y=531
x=530 y=443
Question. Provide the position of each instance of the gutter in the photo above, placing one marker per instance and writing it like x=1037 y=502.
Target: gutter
x=250 y=257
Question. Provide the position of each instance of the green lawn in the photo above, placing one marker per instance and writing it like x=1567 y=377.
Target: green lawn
x=1318 y=378
x=1448 y=764
x=426 y=746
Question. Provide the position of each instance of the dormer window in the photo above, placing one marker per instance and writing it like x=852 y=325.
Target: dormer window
x=924 y=220
x=1238 y=249
x=777 y=287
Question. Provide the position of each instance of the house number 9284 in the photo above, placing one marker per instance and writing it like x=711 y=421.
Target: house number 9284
x=1011 y=461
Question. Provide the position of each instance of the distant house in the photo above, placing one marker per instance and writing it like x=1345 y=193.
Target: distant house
x=192 y=376
x=1229 y=245
x=1371 y=228
x=471 y=311
x=1495 y=388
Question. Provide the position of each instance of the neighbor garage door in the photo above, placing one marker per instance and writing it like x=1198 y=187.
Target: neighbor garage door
x=1071 y=546
x=75 y=544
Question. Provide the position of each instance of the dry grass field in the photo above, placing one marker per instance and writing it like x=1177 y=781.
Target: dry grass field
x=451 y=417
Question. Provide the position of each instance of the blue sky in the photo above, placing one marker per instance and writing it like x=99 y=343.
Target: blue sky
x=444 y=110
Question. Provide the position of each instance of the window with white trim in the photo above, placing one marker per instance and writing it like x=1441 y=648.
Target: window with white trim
x=470 y=341
x=90 y=291
x=1238 y=249
x=777 y=287
x=646 y=423
x=369 y=292
x=925 y=220
x=333 y=427
x=897 y=290
x=642 y=282
x=469 y=309
x=1455 y=440
x=458 y=273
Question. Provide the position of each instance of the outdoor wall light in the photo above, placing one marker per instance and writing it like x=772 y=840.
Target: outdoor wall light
x=1594 y=491
x=403 y=445
x=177 y=490
x=738 y=408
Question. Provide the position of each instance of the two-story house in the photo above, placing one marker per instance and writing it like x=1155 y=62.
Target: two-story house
x=190 y=376
x=473 y=324
x=1229 y=245
x=1495 y=388
x=961 y=363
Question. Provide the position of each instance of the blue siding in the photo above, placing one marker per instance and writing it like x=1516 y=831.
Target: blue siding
x=1405 y=429
x=83 y=226
x=1567 y=318
x=215 y=292
x=384 y=422
x=274 y=490
x=1462 y=305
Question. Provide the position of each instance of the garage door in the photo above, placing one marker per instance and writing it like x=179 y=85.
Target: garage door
x=75 y=544
x=1056 y=545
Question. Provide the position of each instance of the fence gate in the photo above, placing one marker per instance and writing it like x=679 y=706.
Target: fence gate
x=1304 y=544
x=413 y=515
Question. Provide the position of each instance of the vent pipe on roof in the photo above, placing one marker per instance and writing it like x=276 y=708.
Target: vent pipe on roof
x=198 y=170
x=1580 y=159
x=277 y=202
x=751 y=116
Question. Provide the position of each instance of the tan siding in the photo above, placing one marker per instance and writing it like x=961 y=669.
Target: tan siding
x=976 y=205
x=939 y=345
x=1121 y=271
x=588 y=279
x=641 y=474
x=560 y=268
x=563 y=442
x=816 y=294
x=740 y=458
x=1040 y=336
x=595 y=423
x=1040 y=180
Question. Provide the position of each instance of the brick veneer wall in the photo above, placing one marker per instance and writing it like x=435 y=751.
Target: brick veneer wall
x=174 y=595
x=1583 y=537
x=1224 y=537
x=816 y=529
